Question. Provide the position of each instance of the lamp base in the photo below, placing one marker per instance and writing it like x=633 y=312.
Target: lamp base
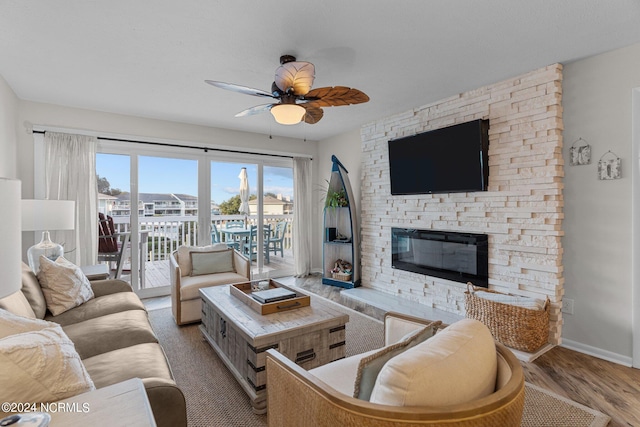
x=46 y=248
x=33 y=419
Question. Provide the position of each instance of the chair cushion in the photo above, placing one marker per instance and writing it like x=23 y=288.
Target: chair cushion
x=138 y=361
x=40 y=364
x=64 y=285
x=110 y=332
x=341 y=374
x=184 y=260
x=457 y=365
x=370 y=366
x=33 y=292
x=96 y=307
x=189 y=286
x=211 y=262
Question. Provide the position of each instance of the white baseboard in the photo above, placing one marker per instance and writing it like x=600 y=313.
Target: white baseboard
x=597 y=352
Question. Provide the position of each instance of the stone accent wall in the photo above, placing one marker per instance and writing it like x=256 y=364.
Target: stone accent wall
x=522 y=210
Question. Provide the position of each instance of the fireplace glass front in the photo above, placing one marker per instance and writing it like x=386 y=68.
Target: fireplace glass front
x=461 y=257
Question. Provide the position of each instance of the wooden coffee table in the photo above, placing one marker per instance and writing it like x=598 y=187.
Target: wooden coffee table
x=311 y=336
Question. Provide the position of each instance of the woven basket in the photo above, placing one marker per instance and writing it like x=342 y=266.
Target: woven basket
x=341 y=276
x=516 y=327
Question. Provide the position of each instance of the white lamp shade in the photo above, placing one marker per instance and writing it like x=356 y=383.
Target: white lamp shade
x=11 y=247
x=48 y=215
x=288 y=114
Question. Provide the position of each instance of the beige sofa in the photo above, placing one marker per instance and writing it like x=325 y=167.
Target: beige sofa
x=218 y=265
x=112 y=334
x=459 y=377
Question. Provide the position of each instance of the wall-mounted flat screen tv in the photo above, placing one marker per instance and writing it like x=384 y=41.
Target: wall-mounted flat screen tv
x=453 y=159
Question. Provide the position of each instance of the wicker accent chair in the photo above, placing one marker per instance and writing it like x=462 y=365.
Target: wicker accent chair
x=298 y=398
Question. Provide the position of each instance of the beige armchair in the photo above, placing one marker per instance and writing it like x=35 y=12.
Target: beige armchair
x=192 y=268
x=297 y=397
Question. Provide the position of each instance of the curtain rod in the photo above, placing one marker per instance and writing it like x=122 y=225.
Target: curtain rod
x=205 y=149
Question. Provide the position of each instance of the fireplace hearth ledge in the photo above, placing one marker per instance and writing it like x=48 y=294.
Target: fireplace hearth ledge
x=389 y=302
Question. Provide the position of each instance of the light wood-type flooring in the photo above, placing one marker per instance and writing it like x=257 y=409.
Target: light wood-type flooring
x=605 y=386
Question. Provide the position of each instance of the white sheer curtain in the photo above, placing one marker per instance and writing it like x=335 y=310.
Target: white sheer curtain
x=302 y=218
x=70 y=174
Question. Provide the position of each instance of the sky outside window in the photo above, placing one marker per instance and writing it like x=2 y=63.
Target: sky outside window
x=170 y=175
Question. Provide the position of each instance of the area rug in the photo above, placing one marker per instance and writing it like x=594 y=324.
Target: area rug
x=214 y=398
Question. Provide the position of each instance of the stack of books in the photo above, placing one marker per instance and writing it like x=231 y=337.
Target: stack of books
x=273 y=295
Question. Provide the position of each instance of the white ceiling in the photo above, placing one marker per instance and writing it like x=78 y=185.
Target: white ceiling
x=150 y=58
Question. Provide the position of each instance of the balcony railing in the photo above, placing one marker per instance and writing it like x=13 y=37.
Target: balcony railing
x=166 y=233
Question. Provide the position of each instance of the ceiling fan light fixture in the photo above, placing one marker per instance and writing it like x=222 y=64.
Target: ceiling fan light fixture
x=288 y=114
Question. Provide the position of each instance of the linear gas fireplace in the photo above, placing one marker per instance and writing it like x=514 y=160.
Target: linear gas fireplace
x=461 y=257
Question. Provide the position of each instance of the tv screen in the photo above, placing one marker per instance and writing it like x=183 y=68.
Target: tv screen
x=447 y=160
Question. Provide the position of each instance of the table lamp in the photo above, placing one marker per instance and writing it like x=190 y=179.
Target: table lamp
x=45 y=215
x=10 y=249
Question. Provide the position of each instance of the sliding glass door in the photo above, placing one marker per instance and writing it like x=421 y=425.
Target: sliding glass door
x=182 y=197
x=267 y=206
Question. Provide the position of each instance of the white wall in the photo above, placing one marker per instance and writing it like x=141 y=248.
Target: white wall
x=106 y=124
x=8 y=115
x=597 y=95
x=347 y=147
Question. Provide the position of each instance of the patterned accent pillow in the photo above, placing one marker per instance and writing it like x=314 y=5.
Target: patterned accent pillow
x=39 y=363
x=64 y=285
x=370 y=366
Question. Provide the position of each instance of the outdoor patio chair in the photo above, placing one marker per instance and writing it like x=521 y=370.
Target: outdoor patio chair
x=276 y=242
x=251 y=246
x=111 y=245
x=234 y=224
x=215 y=234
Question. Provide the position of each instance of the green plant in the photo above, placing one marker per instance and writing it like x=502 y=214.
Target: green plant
x=336 y=199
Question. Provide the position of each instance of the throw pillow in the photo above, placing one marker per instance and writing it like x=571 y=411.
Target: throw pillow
x=64 y=285
x=458 y=365
x=211 y=262
x=184 y=260
x=369 y=367
x=422 y=334
x=41 y=366
x=12 y=324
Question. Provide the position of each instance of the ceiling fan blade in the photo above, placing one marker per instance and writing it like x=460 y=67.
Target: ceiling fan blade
x=255 y=110
x=335 y=96
x=313 y=114
x=241 y=89
x=297 y=76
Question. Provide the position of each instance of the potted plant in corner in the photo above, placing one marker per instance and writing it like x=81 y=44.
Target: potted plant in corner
x=336 y=198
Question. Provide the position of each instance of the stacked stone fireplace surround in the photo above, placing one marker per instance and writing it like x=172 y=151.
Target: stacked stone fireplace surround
x=521 y=212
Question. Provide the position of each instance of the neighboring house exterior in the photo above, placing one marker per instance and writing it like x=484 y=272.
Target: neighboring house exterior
x=156 y=204
x=272 y=206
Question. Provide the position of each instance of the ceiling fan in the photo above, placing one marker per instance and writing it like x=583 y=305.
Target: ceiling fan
x=295 y=100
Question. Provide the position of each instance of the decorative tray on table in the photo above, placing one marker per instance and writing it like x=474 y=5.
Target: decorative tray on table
x=243 y=292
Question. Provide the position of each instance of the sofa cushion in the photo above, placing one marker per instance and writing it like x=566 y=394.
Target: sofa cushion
x=184 y=260
x=138 y=361
x=17 y=303
x=33 y=292
x=96 y=307
x=211 y=262
x=457 y=365
x=370 y=366
x=64 y=285
x=189 y=286
x=341 y=374
x=41 y=366
x=110 y=332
